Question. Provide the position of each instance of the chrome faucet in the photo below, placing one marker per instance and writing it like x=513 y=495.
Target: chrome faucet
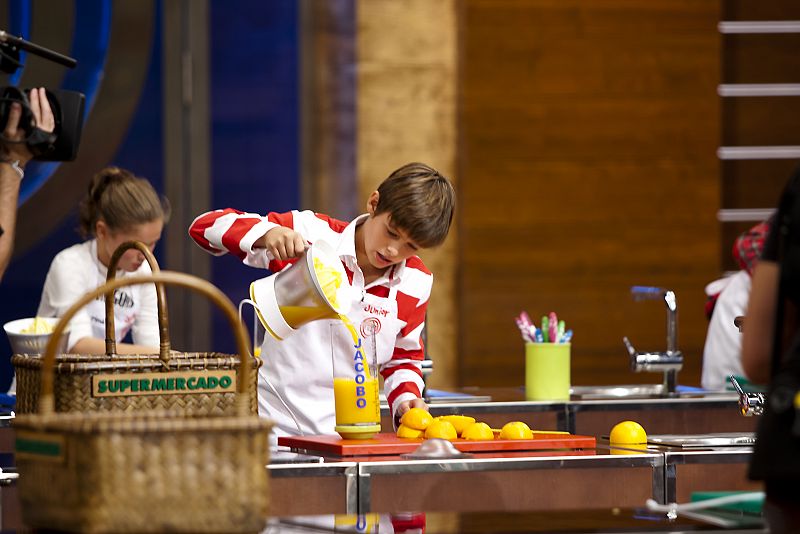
x=749 y=403
x=670 y=361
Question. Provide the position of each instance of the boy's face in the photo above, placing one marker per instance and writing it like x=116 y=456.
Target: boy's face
x=384 y=243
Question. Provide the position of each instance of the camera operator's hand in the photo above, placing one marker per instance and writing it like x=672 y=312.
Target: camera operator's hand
x=14 y=147
x=14 y=154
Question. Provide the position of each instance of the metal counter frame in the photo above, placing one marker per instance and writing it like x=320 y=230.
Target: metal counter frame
x=664 y=462
x=397 y=467
x=346 y=470
x=676 y=457
x=356 y=474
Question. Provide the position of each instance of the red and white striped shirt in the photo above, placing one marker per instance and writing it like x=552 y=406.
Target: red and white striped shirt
x=398 y=299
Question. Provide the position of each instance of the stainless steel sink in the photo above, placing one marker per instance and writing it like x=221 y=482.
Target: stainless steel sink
x=630 y=391
x=691 y=441
x=637 y=391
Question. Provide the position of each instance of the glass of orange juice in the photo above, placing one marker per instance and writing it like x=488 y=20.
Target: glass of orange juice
x=355 y=382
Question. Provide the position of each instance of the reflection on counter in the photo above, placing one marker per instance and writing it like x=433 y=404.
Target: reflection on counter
x=287 y=457
x=471 y=394
x=596 y=521
x=434 y=396
x=694 y=441
x=640 y=391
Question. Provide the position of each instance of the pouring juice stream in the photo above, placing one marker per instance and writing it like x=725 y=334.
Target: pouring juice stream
x=356 y=398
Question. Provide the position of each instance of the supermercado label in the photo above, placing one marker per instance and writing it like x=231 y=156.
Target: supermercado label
x=181 y=382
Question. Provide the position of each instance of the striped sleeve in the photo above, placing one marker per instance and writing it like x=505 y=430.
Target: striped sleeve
x=403 y=372
x=234 y=232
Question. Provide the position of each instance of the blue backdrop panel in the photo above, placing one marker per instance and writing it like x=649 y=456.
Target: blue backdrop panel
x=140 y=152
x=255 y=137
x=255 y=125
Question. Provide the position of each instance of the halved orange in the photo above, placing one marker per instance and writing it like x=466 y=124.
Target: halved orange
x=416 y=418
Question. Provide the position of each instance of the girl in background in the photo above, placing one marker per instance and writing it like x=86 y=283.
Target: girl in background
x=119 y=207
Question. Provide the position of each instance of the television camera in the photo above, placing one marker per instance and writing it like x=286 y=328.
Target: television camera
x=68 y=106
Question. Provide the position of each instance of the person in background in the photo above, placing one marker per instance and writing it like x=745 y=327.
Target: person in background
x=411 y=210
x=118 y=207
x=722 y=354
x=774 y=301
x=14 y=155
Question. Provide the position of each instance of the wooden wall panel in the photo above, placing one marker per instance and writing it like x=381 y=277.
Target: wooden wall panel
x=761 y=121
x=761 y=58
x=754 y=184
x=757 y=121
x=406 y=111
x=587 y=165
x=749 y=10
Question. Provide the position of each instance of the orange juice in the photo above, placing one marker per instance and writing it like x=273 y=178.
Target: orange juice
x=297 y=316
x=355 y=385
x=356 y=403
x=352 y=329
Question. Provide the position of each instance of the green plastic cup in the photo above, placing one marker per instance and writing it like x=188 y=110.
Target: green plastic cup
x=547 y=367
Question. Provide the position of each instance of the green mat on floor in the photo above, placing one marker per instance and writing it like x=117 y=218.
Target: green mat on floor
x=751 y=506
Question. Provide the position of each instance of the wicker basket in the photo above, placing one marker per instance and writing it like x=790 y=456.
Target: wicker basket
x=144 y=471
x=79 y=377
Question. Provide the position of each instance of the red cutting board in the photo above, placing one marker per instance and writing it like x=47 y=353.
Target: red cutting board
x=390 y=444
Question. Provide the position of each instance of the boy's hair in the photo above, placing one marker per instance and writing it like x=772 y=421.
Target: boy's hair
x=122 y=200
x=420 y=201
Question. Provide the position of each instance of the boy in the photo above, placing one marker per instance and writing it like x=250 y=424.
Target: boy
x=411 y=210
x=722 y=353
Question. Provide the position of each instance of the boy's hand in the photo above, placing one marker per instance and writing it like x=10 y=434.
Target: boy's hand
x=284 y=243
x=404 y=406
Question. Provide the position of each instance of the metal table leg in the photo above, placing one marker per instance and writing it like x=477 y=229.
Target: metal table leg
x=364 y=492
x=351 y=489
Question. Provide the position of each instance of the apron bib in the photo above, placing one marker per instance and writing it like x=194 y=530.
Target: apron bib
x=379 y=315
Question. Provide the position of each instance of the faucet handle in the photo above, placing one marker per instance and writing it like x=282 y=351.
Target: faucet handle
x=632 y=354
x=736 y=385
x=629 y=346
x=749 y=403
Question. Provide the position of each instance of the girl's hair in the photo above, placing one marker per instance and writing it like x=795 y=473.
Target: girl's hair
x=122 y=200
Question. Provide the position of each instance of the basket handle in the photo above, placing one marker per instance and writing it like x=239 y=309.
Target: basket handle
x=161 y=301
x=47 y=401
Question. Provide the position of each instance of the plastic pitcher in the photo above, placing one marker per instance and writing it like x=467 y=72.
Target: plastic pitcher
x=314 y=287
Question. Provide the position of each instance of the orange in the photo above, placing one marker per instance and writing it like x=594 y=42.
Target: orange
x=404 y=431
x=627 y=432
x=416 y=418
x=516 y=430
x=478 y=432
x=460 y=422
x=441 y=429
